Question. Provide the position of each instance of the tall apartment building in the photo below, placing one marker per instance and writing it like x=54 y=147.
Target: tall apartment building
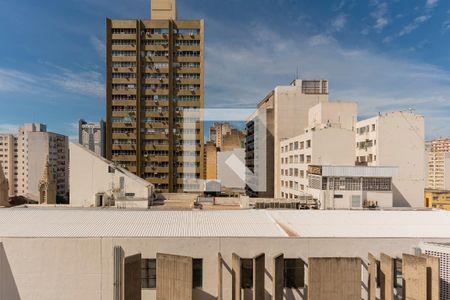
x=438 y=171
x=217 y=132
x=210 y=161
x=396 y=139
x=328 y=139
x=439 y=145
x=155 y=97
x=93 y=136
x=282 y=114
x=25 y=154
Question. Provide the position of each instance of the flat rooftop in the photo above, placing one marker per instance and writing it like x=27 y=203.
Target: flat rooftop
x=86 y=223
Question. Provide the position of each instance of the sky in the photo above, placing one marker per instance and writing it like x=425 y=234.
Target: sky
x=386 y=55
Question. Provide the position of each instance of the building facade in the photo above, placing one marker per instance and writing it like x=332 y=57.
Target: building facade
x=282 y=114
x=439 y=199
x=93 y=136
x=438 y=170
x=217 y=131
x=97 y=182
x=328 y=139
x=210 y=161
x=25 y=155
x=396 y=139
x=155 y=97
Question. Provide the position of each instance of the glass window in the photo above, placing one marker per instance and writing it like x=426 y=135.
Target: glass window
x=294 y=273
x=148 y=274
x=246 y=273
x=197 y=273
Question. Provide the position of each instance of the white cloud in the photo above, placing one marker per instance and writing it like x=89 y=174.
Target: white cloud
x=380 y=15
x=431 y=3
x=240 y=74
x=99 y=46
x=339 y=22
x=9 y=128
x=414 y=25
x=446 y=25
x=57 y=79
x=320 y=40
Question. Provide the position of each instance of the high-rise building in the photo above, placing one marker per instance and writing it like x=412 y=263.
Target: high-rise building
x=396 y=139
x=438 y=171
x=217 y=132
x=24 y=156
x=155 y=97
x=210 y=161
x=93 y=136
x=439 y=145
x=282 y=114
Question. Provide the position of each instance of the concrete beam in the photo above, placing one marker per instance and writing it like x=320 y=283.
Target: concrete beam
x=387 y=277
x=433 y=277
x=258 y=276
x=278 y=277
x=219 y=277
x=174 y=277
x=372 y=277
x=414 y=270
x=132 y=274
x=236 y=277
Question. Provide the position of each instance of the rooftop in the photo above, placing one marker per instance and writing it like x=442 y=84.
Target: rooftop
x=85 y=223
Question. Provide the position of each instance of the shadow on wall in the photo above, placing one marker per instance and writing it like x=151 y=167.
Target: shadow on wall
x=8 y=287
x=399 y=199
x=199 y=294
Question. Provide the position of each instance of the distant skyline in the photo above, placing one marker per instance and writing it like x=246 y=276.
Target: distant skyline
x=386 y=55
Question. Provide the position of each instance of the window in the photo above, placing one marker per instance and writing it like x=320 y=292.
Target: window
x=197 y=273
x=338 y=196
x=294 y=273
x=246 y=273
x=398 y=283
x=148 y=274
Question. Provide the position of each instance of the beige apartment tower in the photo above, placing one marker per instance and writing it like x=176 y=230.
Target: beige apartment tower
x=155 y=97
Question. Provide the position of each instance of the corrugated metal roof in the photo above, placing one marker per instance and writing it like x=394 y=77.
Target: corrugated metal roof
x=83 y=223
x=359 y=171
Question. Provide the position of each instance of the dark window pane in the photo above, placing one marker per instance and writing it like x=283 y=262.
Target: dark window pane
x=294 y=273
x=148 y=273
x=246 y=273
x=197 y=273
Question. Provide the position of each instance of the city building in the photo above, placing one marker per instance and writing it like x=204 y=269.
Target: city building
x=438 y=145
x=328 y=139
x=217 y=131
x=154 y=97
x=437 y=199
x=438 y=170
x=235 y=139
x=24 y=156
x=97 y=182
x=442 y=251
x=4 y=188
x=396 y=139
x=351 y=187
x=93 y=136
x=210 y=161
x=282 y=114
x=281 y=254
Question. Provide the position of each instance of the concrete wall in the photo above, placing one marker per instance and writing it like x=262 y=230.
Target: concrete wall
x=344 y=114
x=328 y=200
x=42 y=268
x=89 y=175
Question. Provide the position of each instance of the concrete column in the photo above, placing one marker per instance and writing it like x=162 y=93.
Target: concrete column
x=236 y=277
x=132 y=280
x=334 y=278
x=387 y=277
x=414 y=277
x=433 y=277
x=219 y=277
x=174 y=277
x=278 y=277
x=258 y=276
x=372 y=277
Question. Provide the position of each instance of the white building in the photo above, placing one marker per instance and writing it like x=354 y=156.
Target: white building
x=328 y=139
x=441 y=250
x=438 y=171
x=97 y=182
x=25 y=154
x=282 y=114
x=351 y=187
x=57 y=254
x=396 y=139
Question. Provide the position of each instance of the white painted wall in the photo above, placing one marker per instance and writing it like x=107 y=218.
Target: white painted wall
x=231 y=168
x=89 y=175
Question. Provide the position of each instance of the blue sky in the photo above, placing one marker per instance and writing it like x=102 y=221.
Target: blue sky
x=387 y=55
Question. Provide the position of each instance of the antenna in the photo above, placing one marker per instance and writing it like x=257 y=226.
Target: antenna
x=297 y=73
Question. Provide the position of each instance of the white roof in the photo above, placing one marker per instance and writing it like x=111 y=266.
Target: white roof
x=60 y=222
